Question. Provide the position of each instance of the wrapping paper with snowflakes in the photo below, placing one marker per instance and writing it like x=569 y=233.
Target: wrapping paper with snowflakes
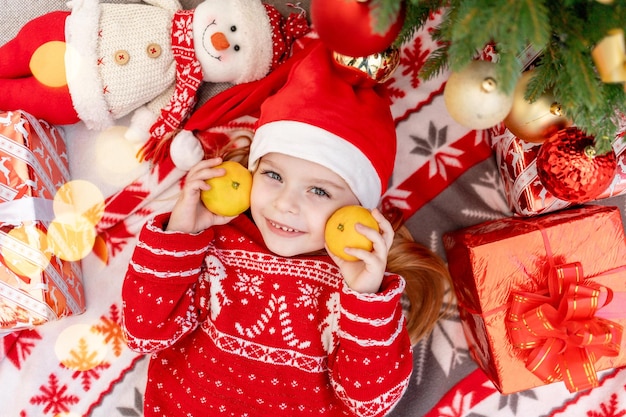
x=36 y=285
x=504 y=270
x=445 y=178
x=525 y=193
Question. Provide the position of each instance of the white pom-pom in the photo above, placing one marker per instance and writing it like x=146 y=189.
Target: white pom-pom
x=186 y=150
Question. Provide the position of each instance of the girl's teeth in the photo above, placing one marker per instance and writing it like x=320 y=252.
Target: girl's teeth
x=286 y=229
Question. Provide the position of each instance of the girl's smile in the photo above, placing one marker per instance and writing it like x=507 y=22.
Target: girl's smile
x=282 y=230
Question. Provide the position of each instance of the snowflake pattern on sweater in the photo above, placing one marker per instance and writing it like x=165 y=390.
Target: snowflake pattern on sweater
x=236 y=330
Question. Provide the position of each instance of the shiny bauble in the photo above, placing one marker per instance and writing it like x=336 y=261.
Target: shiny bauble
x=571 y=170
x=473 y=97
x=609 y=56
x=379 y=67
x=537 y=121
x=349 y=27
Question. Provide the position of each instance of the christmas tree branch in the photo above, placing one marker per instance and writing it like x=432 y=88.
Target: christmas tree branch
x=564 y=30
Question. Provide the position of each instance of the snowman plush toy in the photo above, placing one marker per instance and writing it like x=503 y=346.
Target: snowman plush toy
x=99 y=62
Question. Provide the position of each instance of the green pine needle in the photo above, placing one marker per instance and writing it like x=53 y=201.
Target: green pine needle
x=564 y=31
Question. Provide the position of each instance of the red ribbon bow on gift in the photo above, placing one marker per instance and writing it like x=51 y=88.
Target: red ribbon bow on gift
x=562 y=329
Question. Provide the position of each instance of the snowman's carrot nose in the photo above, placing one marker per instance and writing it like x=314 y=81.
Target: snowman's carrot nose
x=219 y=41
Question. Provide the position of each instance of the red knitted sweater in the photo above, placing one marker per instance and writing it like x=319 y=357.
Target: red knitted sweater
x=238 y=331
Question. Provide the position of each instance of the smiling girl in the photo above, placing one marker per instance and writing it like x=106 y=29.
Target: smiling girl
x=250 y=316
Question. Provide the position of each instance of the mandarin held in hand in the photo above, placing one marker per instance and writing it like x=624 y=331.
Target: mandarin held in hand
x=229 y=194
x=340 y=232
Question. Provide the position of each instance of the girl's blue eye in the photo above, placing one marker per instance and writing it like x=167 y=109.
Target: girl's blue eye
x=320 y=192
x=273 y=175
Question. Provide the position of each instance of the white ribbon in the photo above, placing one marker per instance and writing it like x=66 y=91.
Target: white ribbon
x=15 y=212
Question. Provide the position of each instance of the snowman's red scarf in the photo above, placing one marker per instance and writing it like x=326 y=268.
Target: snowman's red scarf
x=188 y=80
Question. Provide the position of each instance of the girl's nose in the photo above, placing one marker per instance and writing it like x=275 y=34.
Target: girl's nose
x=219 y=41
x=286 y=201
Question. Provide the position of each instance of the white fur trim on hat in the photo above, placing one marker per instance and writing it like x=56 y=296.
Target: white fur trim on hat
x=317 y=145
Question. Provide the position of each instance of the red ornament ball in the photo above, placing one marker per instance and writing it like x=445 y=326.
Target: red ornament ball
x=570 y=169
x=348 y=27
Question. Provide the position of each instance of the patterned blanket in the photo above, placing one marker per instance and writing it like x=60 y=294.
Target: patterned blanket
x=446 y=178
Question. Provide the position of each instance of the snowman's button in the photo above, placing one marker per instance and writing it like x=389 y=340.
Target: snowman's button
x=122 y=57
x=153 y=50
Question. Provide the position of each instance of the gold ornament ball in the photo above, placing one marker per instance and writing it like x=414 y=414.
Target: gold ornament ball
x=473 y=97
x=378 y=67
x=537 y=121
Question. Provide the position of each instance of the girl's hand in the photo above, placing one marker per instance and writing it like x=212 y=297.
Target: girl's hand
x=189 y=215
x=366 y=274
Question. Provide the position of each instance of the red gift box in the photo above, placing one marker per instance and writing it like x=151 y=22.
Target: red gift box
x=36 y=286
x=520 y=284
x=526 y=195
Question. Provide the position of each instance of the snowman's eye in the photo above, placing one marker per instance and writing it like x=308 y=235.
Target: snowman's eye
x=236 y=47
x=233 y=28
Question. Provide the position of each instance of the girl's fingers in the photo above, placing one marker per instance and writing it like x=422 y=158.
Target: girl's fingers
x=363 y=255
x=372 y=234
x=206 y=163
x=206 y=174
x=201 y=172
x=203 y=165
x=197 y=185
x=386 y=229
x=383 y=237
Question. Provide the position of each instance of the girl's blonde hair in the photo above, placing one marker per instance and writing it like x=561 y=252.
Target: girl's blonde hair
x=428 y=282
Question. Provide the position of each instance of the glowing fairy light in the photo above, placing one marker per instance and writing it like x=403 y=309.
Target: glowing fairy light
x=79 y=348
x=116 y=157
x=71 y=237
x=79 y=198
x=78 y=206
x=47 y=64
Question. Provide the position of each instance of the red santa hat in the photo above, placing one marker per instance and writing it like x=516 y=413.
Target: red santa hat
x=333 y=116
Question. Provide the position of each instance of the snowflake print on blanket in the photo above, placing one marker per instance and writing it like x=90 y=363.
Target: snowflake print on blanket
x=611 y=408
x=17 y=346
x=110 y=328
x=54 y=397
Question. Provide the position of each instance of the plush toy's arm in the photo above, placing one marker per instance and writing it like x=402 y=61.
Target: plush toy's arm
x=144 y=117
